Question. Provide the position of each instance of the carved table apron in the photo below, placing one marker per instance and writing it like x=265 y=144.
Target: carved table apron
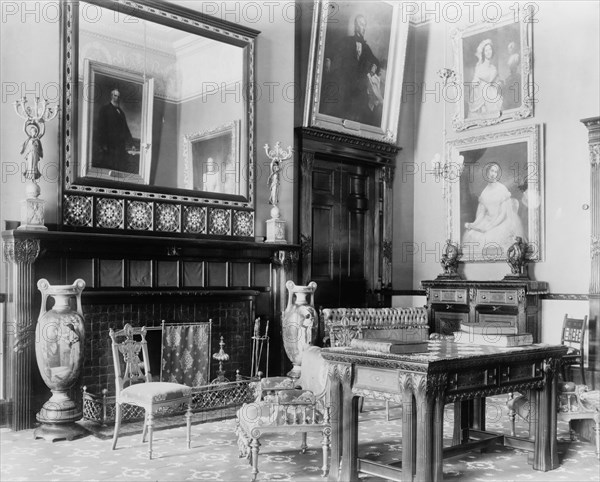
x=423 y=383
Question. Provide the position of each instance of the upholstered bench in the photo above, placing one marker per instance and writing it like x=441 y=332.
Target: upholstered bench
x=342 y=325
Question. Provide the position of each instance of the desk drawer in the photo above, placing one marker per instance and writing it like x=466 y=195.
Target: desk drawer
x=497 y=297
x=377 y=379
x=449 y=296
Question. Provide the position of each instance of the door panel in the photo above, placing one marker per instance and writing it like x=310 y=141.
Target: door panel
x=340 y=212
x=322 y=242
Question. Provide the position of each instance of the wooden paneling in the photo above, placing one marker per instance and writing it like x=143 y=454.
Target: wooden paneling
x=167 y=274
x=111 y=273
x=193 y=274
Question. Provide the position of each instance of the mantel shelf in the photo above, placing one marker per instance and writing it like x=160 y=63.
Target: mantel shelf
x=75 y=237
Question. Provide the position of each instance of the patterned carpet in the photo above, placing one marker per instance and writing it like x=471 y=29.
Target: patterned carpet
x=214 y=454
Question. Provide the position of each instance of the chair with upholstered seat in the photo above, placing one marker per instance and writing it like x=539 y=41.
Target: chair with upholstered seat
x=134 y=385
x=282 y=407
x=573 y=336
x=575 y=402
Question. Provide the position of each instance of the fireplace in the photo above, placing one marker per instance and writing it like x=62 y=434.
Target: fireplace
x=233 y=319
x=141 y=280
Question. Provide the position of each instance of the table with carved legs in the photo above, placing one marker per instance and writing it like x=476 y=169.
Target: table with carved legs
x=423 y=383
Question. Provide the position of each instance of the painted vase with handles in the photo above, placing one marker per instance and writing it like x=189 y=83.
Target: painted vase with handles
x=59 y=349
x=299 y=323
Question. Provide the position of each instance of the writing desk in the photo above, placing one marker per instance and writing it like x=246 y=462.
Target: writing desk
x=423 y=383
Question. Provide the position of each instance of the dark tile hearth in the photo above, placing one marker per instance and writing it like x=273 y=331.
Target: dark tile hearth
x=214 y=454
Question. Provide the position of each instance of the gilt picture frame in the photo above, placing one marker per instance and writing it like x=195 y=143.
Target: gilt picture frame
x=116 y=134
x=494 y=71
x=356 y=68
x=499 y=194
x=212 y=159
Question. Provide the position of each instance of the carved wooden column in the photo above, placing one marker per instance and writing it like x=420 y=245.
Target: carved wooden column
x=593 y=126
x=306 y=168
x=387 y=176
x=22 y=253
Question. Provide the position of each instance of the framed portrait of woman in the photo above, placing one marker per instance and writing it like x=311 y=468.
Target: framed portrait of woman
x=499 y=194
x=356 y=68
x=493 y=65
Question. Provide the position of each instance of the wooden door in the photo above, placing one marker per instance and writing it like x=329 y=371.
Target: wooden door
x=345 y=217
x=343 y=207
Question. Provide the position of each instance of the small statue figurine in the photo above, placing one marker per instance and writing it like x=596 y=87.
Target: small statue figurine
x=516 y=257
x=274 y=182
x=32 y=149
x=277 y=156
x=450 y=259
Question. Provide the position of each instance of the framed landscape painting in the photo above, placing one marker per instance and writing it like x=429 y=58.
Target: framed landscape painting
x=116 y=124
x=356 y=68
x=493 y=63
x=499 y=194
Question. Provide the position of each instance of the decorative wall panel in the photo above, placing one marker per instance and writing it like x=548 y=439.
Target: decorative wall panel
x=102 y=213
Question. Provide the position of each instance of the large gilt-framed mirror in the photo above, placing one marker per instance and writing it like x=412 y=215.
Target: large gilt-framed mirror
x=158 y=119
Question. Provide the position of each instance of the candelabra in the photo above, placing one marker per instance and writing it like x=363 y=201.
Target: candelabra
x=36 y=116
x=276 y=225
x=221 y=357
x=448 y=167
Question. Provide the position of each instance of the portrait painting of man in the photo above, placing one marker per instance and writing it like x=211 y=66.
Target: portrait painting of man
x=353 y=85
x=356 y=68
x=116 y=123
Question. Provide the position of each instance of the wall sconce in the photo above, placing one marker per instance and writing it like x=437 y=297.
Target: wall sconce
x=449 y=167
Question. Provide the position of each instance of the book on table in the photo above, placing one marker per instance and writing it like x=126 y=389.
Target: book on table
x=489 y=328
x=493 y=339
x=395 y=347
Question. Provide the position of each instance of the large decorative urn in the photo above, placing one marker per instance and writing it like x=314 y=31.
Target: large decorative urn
x=299 y=323
x=59 y=351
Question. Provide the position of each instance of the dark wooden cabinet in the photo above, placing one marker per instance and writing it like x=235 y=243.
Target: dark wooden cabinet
x=345 y=216
x=509 y=302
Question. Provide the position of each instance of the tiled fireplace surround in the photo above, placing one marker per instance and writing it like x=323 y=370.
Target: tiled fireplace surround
x=140 y=280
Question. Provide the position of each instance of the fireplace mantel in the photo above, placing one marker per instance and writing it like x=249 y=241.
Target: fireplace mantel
x=124 y=271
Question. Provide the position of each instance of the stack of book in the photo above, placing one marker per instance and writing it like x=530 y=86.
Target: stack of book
x=389 y=346
x=491 y=335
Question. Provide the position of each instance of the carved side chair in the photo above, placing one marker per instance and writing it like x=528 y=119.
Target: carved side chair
x=134 y=385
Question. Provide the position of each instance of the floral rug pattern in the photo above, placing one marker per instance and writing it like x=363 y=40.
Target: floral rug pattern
x=214 y=454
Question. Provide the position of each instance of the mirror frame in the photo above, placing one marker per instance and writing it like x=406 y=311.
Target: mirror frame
x=102 y=204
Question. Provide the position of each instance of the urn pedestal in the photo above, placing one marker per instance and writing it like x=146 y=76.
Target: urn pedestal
x=275 y=228
x=59 y=352
x=299 y=323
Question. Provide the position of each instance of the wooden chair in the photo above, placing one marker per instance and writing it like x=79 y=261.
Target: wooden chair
x=575 y=402
x=280 y=407
x=573 y=336
x=134 y=385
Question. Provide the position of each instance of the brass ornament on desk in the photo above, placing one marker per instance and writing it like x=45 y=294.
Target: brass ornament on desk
x=516 y=257
x=450 y=260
